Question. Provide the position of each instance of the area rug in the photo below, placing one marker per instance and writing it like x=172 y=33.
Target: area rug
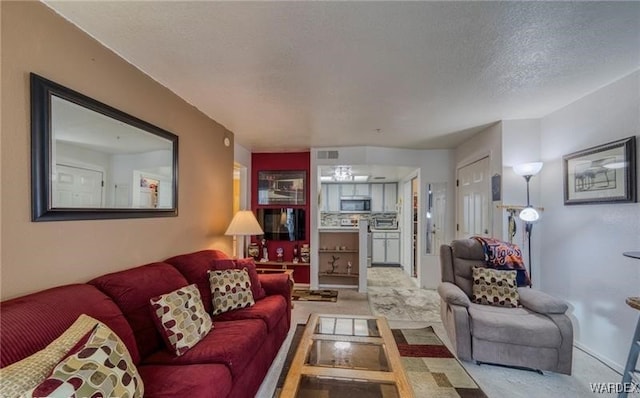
x=431 y=368
x=315 y=295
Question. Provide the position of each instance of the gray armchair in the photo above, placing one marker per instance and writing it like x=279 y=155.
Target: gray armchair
x=538 y=335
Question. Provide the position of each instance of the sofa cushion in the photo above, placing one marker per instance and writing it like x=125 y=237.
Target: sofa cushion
x=181 y=318
x=494 y=287
x=194 y=267
x=27 y=373
x=131 y=289
x=270 y=309
x=193 y=381
x=248 y=263
x=101 y=366
x=231 y=343
x=48 y=313
x=230 y=290
x=504 y=255
x=513 y=326
x=466 y=254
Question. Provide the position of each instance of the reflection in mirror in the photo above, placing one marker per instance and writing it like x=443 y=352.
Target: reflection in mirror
x=100 y=162
x=436 y=213
x=91 y=161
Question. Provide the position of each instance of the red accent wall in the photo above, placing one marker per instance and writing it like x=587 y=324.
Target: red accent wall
x=275 y=162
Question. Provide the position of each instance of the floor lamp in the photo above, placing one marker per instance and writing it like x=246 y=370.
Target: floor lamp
x=243 y=223
x=529 y=214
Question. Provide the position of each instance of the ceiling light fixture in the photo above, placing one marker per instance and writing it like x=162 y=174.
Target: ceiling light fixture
x=342 y=173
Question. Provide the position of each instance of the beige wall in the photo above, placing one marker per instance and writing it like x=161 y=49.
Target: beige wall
x=39 y=255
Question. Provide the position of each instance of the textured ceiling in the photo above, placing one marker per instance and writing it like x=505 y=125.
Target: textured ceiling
x=292 y=75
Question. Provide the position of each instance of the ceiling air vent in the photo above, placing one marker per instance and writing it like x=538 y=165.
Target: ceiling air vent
x=379 y=178
x=327 y=154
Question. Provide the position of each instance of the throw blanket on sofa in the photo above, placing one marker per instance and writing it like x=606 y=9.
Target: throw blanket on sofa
x=504 y=255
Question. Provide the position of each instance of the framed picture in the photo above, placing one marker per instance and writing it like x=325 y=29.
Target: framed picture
x=602 y=174
x=282 y=187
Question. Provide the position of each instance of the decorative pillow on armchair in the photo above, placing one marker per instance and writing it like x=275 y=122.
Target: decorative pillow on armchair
x=101 y=367
x=181 y=318
x=495 y=287
x=230 y=290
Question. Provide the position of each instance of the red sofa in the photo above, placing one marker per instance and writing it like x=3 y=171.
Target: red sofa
x=231 y=361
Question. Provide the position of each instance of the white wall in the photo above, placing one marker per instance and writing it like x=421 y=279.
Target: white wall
x=582 y=259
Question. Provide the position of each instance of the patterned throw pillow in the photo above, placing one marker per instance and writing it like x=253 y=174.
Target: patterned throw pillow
x=181 y=318
x=230 y=290
x=32 y=370
x=494 y=287
x=102 y=367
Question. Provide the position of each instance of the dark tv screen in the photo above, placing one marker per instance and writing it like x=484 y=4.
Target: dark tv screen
x=282 y=224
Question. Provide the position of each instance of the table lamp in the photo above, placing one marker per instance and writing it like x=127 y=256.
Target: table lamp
x=243 y=223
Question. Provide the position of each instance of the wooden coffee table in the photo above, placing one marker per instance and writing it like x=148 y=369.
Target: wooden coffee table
x=346 y=356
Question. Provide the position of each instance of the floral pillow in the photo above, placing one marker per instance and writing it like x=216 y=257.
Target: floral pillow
x=230 y=290
x=181 y=318
x=495 y=287
x=101 y=367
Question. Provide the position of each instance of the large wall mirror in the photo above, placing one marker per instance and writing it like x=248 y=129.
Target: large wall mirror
x=92 y=161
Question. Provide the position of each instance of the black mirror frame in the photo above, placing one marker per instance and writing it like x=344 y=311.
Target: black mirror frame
x=41 y=91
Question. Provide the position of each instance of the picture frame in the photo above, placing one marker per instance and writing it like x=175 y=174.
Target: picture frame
x=601 y=174
x=282 y=187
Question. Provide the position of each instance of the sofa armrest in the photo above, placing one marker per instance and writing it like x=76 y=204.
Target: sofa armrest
x=453 y=295
x=541 y=302
x=278 y=284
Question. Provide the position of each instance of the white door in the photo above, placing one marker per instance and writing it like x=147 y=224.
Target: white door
x=474 y=188
x=439 y=192
x=393 y=248
x=77 y=187
x=377 y=197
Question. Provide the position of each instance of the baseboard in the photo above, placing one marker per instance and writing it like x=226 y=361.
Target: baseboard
x=302 y=286
x=606 y=361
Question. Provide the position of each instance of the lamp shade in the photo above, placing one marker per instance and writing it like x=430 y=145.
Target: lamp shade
x=244 y=223
x=529 y=214
x=528 y=169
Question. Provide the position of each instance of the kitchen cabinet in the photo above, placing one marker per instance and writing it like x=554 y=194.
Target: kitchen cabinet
x=362 y=189
x=331 y=193
x=384 y=197
x=347 y=189
x=385 y=248
x=333 y=197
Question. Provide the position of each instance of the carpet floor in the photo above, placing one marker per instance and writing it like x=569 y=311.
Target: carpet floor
x=431 y=368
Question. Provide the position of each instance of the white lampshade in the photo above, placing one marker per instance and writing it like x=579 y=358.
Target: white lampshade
x=528 y=169
x=244 y=223
x=529 y=214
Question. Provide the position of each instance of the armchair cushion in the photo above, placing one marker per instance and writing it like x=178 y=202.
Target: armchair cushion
x=541 y=302
x=453 y=295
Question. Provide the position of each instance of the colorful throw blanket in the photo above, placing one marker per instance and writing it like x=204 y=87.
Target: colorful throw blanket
x=503 y=255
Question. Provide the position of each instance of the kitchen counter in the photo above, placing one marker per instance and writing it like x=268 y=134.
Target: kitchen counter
x=338 y=229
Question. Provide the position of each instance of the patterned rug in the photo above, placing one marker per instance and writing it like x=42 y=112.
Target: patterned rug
x=315 y=295
x=431 y=368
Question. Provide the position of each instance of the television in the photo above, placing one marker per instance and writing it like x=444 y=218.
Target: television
x=282 y=224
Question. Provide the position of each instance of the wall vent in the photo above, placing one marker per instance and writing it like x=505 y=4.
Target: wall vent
x=327 y=154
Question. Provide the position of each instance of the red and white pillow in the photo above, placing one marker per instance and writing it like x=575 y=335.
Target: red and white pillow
x=256 y=287
x=181 y=318
x=230 y=290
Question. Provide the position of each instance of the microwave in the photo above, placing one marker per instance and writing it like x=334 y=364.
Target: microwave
x=355 y=204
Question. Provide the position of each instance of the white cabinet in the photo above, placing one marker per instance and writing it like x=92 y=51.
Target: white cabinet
x=378 y=247
x=333 y=197
x=393 y=248
x=384 y=197
x=361 y=189
x=390 y=197
x=385 y=248
x=347 y=189
x=377 y=198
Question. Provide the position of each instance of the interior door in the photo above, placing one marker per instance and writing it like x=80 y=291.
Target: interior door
x=77 y=187
x=474 y=187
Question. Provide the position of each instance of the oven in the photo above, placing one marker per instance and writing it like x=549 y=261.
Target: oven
x=355 y=204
